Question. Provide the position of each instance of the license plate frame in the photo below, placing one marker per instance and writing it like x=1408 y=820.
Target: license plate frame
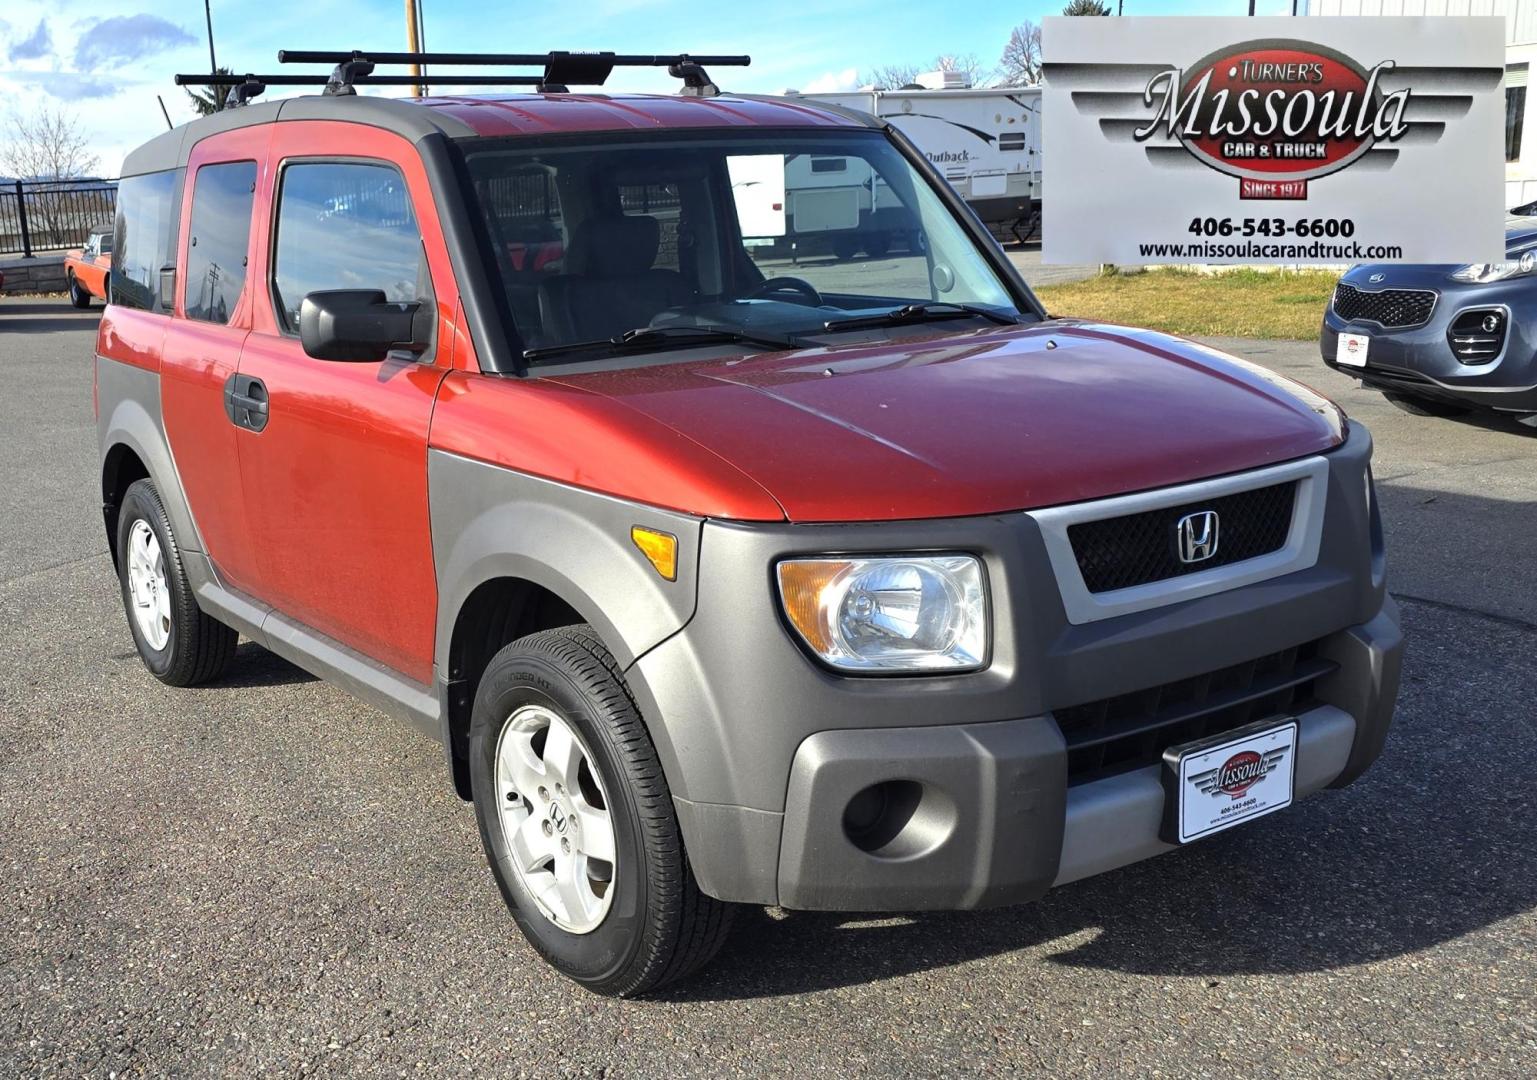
x=1350 y=350
x=1259 y=764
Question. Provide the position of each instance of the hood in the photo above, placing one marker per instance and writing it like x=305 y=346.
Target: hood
x=1520 y=234
x=978 y=423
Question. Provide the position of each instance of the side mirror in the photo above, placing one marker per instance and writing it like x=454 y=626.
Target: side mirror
x=359 y=325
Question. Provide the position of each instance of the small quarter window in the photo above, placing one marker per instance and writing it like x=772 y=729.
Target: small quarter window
x=345 y=225
x=144 y=238
x=219 y=240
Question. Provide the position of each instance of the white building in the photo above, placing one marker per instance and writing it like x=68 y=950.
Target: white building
x=1520 y=57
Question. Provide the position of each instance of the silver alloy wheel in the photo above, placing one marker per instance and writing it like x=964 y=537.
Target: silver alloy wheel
x=147 y=585
x=554 y=814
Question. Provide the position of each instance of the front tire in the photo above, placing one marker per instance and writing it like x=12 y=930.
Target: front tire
x=577 y=820
x=77 y=295
x=179 y=644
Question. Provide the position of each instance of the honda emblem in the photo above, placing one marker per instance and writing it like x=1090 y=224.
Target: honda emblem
x=1197 y=536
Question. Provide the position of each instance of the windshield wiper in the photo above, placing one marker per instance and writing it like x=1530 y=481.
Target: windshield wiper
x=656 y=337
x=913 y=313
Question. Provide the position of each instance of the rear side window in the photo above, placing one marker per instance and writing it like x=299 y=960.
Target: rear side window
x=345 y=225
x=144 y=238
x=219 y=240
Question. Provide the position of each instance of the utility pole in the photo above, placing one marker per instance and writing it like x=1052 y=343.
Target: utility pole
x=421 y=39
x=413 y=44
x=213 y=65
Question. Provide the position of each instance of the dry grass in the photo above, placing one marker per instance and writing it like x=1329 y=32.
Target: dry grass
x=1234 y=303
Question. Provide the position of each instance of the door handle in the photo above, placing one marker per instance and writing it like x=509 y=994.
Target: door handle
x=245 y=402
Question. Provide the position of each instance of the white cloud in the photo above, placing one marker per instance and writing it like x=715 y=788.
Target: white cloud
x=832 y=82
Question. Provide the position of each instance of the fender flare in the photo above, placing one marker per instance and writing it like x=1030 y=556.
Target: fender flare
x=133 y=421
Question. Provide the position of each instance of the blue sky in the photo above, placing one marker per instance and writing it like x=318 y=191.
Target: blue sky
x=107 y=66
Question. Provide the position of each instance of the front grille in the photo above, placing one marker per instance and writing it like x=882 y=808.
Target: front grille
x=1137 y=549
x=1388 y=307
x=1133 y=730
x=1472 y=340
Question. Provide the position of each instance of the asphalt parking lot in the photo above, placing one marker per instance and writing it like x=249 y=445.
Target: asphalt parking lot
x=267 y=876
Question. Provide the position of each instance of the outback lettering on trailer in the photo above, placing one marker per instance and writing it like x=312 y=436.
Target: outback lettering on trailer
x=1275 y=114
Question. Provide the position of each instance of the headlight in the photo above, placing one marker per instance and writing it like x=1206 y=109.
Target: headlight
x=1486 y=272
x=889 y=614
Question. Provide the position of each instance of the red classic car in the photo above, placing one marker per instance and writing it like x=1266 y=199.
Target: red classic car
x=86 y=268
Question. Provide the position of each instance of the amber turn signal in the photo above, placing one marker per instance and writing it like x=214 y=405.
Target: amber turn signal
x=660 y=548
x=802 y=584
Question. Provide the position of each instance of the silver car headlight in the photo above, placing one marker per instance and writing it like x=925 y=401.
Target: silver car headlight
x=1486 y=272
x=891 y=614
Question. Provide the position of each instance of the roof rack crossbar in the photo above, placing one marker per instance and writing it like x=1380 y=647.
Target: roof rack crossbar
x=299 y=56
x=560 y=68
x=375 y=80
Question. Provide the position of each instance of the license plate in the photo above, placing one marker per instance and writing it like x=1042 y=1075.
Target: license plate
x=1351 y=349
x=1229 y=779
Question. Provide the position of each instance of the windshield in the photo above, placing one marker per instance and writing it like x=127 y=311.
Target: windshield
x=766 y=237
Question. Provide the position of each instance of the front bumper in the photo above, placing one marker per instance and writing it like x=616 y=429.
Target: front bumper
x=1005 y=826
x=765 y=751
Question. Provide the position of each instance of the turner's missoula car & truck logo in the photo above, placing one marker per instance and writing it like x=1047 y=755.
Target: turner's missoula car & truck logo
x=1275 y=114
x=1239 y=773
x=1273 y=140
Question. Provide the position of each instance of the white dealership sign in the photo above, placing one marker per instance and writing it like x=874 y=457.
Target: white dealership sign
x=1237 y=140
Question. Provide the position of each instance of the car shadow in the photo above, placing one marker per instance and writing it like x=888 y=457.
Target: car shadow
x=43 y=316
x=1431 y=844
x=1488 y=420
x=254 y=667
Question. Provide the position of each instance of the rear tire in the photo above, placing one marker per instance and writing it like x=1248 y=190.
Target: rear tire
x=620 y=925
x=179 y=644
x=78 y=296
x=1421 y=406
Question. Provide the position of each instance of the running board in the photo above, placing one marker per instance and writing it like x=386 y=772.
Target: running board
x=362 y=676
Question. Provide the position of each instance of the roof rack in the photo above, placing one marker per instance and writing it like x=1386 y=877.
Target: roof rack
x=560 y=71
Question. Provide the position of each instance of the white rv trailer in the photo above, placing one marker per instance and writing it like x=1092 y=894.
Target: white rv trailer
x=986 y=142
x=799 y=204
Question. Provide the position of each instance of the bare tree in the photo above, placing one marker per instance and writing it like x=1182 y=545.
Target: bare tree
x=1021 y=61
x=893 y=76
x=210 y=99
x=46 y=145
x=1086 y=7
